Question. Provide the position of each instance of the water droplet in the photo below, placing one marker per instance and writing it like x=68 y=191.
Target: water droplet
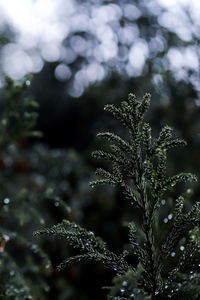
x=12 y=273
x=47 y=266
x=6 y=237
x=173 y=183
x=34 y=248
x=173 y=254
x=122 y=291
x=166 y=286
x=56 y=203
x=4 y=122
x=182 y=248
x=165 y=220
x=124 y=283
x=170 y=216
x=6 y=201
x=46 y=288
x=156 y=293
x=189 y=191
x=163 y=202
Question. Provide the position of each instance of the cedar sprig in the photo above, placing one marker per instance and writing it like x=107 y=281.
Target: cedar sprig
x=139 y=169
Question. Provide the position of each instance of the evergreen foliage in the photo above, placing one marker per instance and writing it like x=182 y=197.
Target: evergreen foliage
x=139 y=168
x=18 y=118
x=18 y=277
x=36 y=182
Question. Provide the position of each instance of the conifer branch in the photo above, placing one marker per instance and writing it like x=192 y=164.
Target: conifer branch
x=139 y=169
x=86 y=241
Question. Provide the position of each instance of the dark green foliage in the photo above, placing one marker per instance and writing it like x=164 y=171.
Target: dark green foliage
x=17 y=120
x=126 y=286
x=139 y=169
x=36 y=182
x=94 y=247
x=38 y=192
x=18 y=277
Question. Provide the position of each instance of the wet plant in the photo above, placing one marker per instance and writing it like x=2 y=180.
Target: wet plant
x=23 y=264
x=138 y=166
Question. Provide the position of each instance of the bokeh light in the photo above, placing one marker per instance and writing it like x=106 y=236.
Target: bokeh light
x=102 y=37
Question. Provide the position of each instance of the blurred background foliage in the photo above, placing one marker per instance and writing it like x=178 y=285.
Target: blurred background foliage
x=85 y=54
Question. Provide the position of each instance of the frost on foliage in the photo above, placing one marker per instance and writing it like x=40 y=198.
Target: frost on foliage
x=139 y=167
